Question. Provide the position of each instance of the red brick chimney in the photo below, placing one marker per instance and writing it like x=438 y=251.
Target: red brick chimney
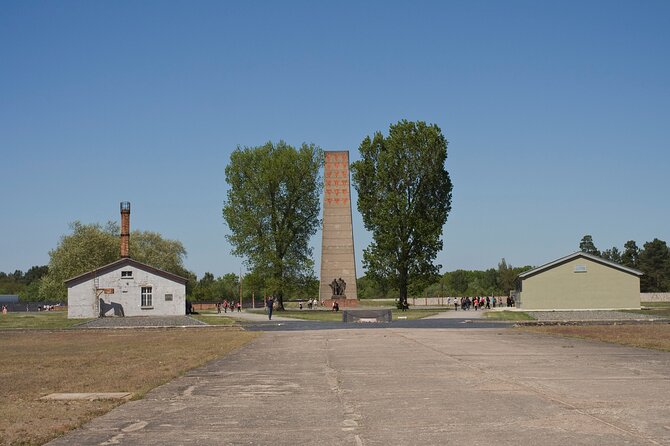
x=125 y=229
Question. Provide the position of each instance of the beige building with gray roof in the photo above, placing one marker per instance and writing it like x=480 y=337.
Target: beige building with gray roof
x=579 y=281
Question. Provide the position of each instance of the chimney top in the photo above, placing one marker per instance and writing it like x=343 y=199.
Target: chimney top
x=125 y=229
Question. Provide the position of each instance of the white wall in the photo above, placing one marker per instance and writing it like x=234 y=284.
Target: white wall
x=82 y=301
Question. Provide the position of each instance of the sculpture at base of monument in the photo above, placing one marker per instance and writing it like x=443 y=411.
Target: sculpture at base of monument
x=338 y=286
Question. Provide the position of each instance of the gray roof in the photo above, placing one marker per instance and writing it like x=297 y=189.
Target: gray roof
x=9 y=298
x=575 y=255
x=120 y=264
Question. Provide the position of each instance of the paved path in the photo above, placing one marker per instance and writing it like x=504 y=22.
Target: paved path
x=404 y=387
x=246 y=316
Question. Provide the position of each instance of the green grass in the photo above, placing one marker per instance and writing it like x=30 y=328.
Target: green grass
x=662 y=312
x=660 y=309
x=656 y=304
x=211 y=319
x=376 y=303
x=41 y=320
x=508 y=316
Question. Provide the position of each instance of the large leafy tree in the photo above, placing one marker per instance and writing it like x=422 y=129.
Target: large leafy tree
x=404 y=196
x=91 y=246
x=272 y=210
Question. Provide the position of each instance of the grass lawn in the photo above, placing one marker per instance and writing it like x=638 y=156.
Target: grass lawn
x=38 y=362
x=39 y=320
x=656 y=336
x=508 y=316
x=656 y=304
x=661 y=309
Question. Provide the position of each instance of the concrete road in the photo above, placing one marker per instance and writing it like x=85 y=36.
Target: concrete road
x=399 y=386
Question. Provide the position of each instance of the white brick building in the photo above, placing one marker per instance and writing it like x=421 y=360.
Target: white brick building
x=126 y=288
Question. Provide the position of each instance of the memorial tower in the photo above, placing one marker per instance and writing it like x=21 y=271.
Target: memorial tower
x=338 y=265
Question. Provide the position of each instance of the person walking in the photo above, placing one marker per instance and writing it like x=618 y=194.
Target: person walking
x=270 y=304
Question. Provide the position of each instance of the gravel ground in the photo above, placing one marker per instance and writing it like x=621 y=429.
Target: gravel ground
x=154 y=321
x=593 y=315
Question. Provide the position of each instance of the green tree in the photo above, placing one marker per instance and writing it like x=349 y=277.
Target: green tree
x=586 y=245
x=372 y=288
x=204 y=290
x=654 y=262
x=91 y=246
x=613 y=254
x=506 y=277
x=272 y=210
x=630 y=254
x=404 y=196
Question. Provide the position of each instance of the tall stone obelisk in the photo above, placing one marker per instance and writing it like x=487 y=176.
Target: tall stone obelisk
x=338 y=265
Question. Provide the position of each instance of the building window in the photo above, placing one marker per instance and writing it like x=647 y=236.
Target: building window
x=168 y=297
x=147 y=300
x=126 y=274
x=580 y=268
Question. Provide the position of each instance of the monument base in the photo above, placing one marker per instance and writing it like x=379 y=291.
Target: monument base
x=341 y=301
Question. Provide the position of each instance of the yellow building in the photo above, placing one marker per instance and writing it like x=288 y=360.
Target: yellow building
x=579 y=281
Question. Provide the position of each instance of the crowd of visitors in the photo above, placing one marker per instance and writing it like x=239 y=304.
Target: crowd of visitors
x=481 y=302
x=225 y=305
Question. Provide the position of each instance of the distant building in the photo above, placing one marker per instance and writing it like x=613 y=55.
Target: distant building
x=578 y=281
x=9 y=298
x=126 y=287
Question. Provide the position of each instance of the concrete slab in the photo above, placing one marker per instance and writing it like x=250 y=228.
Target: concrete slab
x=87 y=396
x=405 y=387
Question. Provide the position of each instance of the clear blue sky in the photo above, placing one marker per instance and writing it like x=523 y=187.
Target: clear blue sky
x=557 y=114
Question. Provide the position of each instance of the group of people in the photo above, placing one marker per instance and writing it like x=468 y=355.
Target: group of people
x=228 y=305
x=311 y=304
x=480 y=302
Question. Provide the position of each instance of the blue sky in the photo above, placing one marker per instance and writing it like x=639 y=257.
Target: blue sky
x=557 y=114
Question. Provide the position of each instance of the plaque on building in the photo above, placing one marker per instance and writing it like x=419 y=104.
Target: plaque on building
x=338 y=265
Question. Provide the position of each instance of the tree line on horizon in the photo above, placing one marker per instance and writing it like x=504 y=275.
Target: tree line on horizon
x=653 y=259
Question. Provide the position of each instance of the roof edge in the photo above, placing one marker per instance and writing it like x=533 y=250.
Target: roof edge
x=575 y=255
x=127 y=261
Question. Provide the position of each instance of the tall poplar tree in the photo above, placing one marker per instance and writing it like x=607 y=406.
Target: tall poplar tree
x=404 y=196
x=272 y=210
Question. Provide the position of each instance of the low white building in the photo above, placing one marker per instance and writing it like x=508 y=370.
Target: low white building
x=126 y=288
x=579 y=281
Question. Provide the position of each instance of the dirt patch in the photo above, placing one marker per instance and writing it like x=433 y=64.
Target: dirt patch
x=37 y=363
x=655 y=336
